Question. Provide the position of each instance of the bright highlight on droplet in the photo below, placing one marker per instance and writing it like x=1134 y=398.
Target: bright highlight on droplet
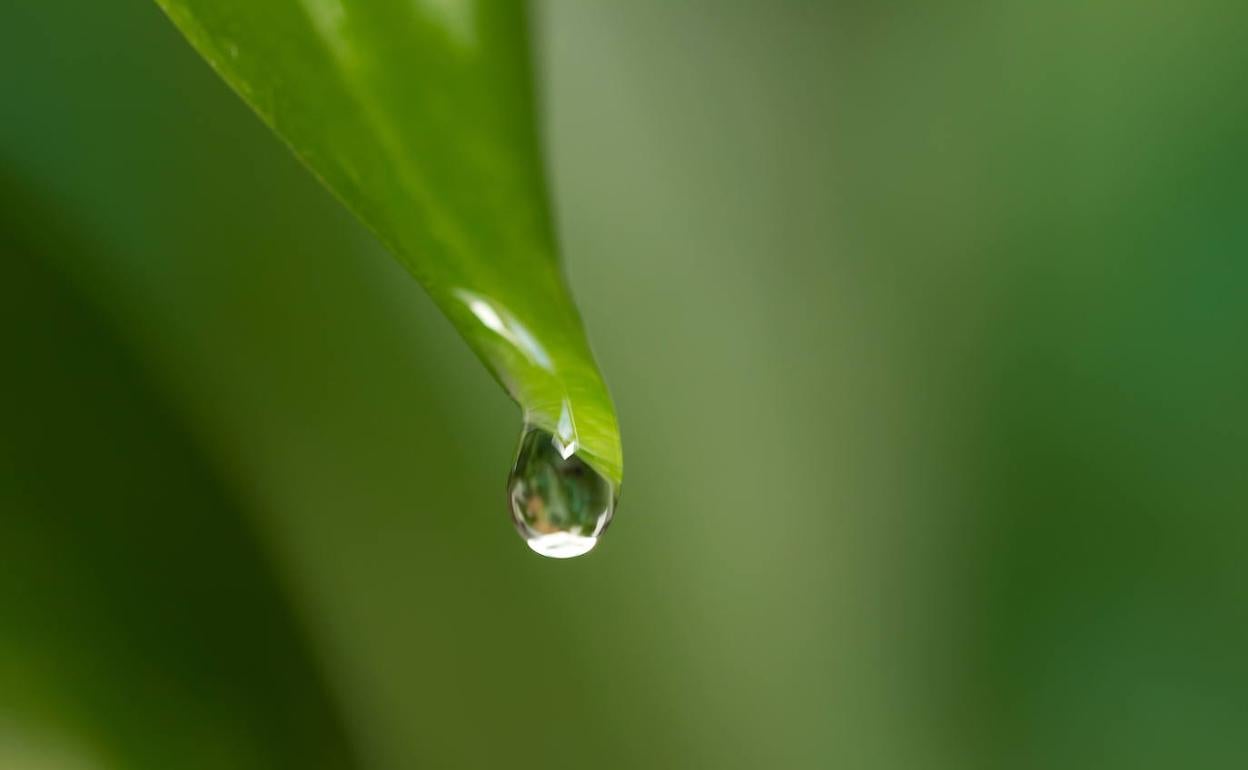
x=562 y=545
x=559 y=503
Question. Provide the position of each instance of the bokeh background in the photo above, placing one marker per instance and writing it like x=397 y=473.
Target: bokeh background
x=927 y=326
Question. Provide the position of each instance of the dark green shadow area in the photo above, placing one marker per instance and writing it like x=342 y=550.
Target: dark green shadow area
x=139 y=620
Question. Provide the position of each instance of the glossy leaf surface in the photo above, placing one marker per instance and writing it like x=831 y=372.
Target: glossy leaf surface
x=420 y=117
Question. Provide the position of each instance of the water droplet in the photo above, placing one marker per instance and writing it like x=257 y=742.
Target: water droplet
x=560 y=504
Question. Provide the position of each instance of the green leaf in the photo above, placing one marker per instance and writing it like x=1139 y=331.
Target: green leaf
x=420 y=117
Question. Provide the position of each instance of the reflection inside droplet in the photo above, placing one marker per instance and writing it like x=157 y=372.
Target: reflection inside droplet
x=559 y=504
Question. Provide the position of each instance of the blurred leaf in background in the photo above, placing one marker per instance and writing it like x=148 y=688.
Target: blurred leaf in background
x=925 y=322
x=143 y=626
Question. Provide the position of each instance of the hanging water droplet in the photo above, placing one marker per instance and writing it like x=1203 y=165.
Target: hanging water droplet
x=559 y=503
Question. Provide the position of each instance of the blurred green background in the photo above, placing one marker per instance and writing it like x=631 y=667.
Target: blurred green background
x=926 y=323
